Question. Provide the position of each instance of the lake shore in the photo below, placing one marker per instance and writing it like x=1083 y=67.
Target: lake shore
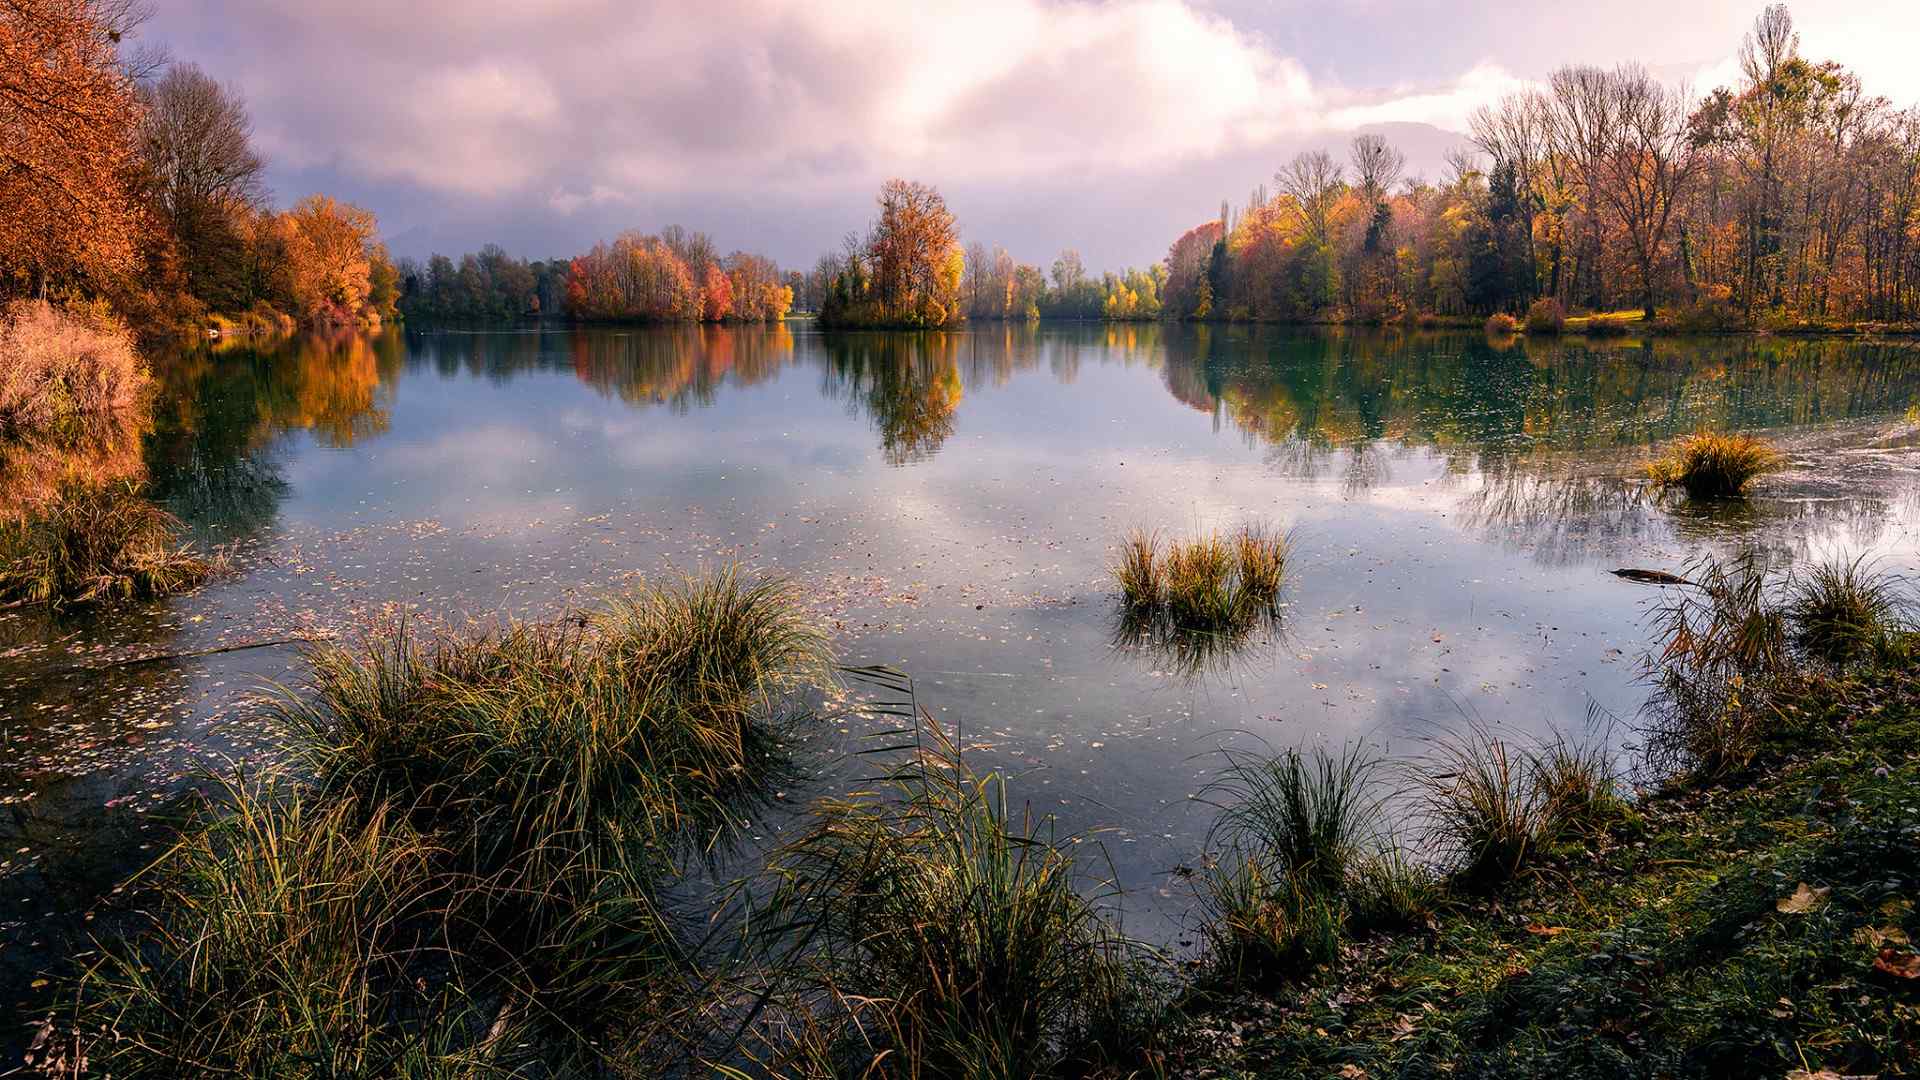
x=1760 y=926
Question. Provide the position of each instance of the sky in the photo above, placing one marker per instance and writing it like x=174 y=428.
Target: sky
x=1108 y=126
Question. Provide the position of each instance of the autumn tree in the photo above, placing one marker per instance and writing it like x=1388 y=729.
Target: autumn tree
x=909 y=270
x=68 y=117
x=196 y=141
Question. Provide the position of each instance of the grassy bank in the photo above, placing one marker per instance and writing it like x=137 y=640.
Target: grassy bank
x=1751 y=915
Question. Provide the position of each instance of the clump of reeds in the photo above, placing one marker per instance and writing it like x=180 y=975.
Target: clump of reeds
x=1843 y=612
x=540 y=785
x=938 y=932
x=1303 y=860
x=1492 y=804
x=1724 y=649
x=96 y=544
x=1482 y=804
x=1313 y=814
x=1263 y=924
x=1712 y=465
x=1210 y=583
x=289 y=939
x=65 y=374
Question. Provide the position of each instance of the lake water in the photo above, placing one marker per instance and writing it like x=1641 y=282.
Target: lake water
x=950 y=501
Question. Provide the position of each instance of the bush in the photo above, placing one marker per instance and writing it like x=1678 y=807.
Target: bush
x=1501 y=324
x=1546 y=316
x=95 y=545
x=1606 y=326
x=65 y=376
x=1709 y=465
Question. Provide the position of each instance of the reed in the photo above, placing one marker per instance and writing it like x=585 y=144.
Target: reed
x=1313 y=814
x=66 y=375
x=1209 y=584
x=1482 y=803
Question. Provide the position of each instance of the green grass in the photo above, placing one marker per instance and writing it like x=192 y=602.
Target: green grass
x=1482 y=803
x=937 y=931
x=1678 y=940
x=1710 y=465
x=1844 y=612
x=97 y=545
x=476 y=837
x=1313 y=814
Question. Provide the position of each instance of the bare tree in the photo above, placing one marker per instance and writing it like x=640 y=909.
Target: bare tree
x=1648 y=156
x=1376 y=166
x=1314 y=181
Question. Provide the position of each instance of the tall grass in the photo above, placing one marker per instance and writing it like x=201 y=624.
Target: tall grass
x=1313 y=814
x=1711 y=465
x=1302 y=853
x=515 y=804
x=1843 y=611
x=1212 y=584
x=292 y=940
x=939 y=931
x=1481 y=803
x=1723 y=650
x=94 y=545
x=65 y=375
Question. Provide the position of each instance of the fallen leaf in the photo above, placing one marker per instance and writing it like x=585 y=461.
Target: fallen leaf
x=1804 y=899
x=1899 y=964
x=1538 y=930
x=1880 y=935
x=1352 y=1072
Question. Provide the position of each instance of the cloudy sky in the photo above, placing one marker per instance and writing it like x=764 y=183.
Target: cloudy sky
x=1105 y=125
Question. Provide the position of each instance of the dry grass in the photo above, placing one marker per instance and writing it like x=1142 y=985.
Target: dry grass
x=65 y=375
x=1210 y=583
x=1710 y=465
x=97 y=545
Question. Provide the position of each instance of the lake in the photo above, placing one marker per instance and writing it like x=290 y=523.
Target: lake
x=951 y=502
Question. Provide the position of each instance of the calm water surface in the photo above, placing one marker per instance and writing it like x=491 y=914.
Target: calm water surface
x=950 y=501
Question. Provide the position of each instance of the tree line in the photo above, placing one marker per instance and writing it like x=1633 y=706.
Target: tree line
x=130 y=178
x=674 y=276
x=1793 y=197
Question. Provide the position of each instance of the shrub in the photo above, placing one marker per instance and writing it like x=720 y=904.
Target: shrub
x=940 y=934
x=95 y=545
x=1546 y=316
x=1501 y=324
x=1713 y=465
x=1843 y=612
x=65 y=375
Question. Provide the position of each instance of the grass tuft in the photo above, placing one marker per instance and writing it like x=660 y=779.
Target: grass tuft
x=939 y=933
x=1211 y=583
x=1844 y=612
x=94 y=545
x=479 y=841
x=1482 y=803
x=1710 y=465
